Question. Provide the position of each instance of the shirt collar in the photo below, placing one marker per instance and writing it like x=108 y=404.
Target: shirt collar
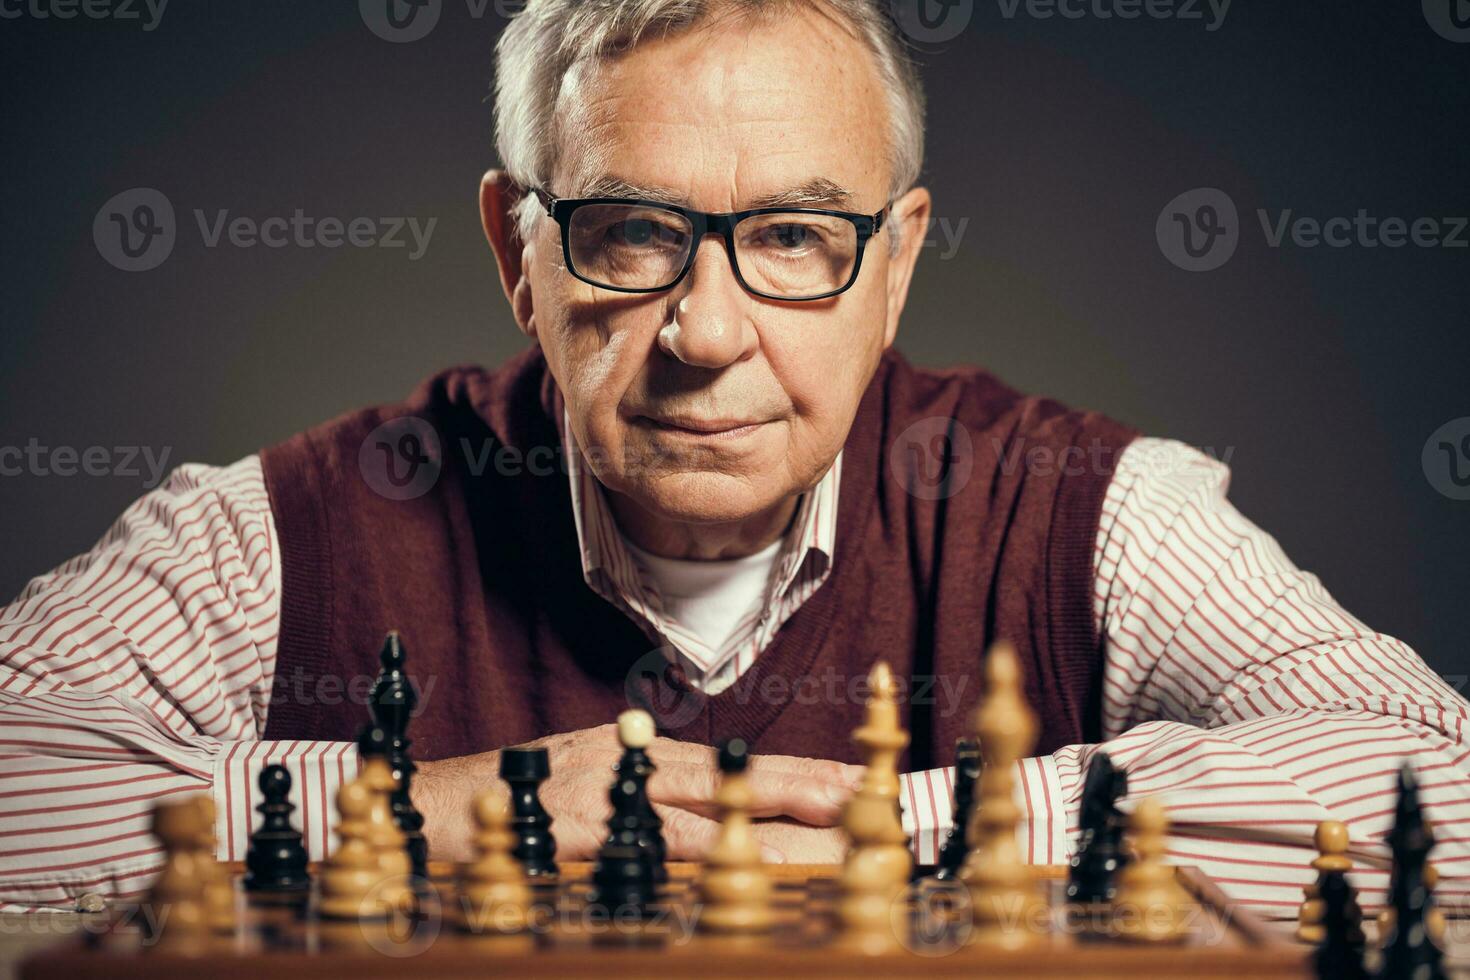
x=610 y=570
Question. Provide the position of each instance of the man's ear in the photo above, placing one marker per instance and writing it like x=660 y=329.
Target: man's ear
x=911 y=212
x=499 y=196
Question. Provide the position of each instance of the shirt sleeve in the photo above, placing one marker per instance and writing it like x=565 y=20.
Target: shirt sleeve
x=1238 y=691
x=141 y=671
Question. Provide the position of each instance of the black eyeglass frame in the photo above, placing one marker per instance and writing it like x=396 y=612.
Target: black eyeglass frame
x=704 y=223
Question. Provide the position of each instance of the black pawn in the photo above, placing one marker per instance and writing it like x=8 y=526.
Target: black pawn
x=1094 y=868
x=622 y=881
x=525 y=769
x=1340 y=957
x=276 y=859
x=637 y=766
x=1408 y=952
x=966 y=775
x=392 y=705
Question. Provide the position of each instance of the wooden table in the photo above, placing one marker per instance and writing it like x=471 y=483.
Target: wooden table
x=23 y=935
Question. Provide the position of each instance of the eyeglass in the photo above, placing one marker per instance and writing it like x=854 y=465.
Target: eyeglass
x=633 y=246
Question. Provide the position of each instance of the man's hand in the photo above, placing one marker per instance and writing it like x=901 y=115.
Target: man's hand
x=808 y=792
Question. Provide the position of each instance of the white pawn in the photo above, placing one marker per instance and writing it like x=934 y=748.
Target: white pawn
x=735 y=888
x=385 y=837
x=1150 y=906
x=180 y=889
x=353 y=875
x=494 y=897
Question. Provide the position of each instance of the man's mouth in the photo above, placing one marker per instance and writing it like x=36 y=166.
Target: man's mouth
x=702 y=428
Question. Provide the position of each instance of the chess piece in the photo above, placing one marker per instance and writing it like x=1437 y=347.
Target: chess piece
x=622 y=880
x=494 y=897
x=352 y=876
x=383 y=833
x=177 y=903
x=1092 y=876
x=1150 y=905
x=1004 y=900
x=635 y=732
x=878 y=864
x=1408 y=950
x=1434 y=918
x=966 y=773
x=275 y=863
x=735 y=889
x=392 y=704
x=525 y=769
x=1331 y=839
x=1340 y=957
x=219 y=890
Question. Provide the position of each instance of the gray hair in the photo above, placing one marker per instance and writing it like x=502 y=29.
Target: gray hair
x=551 y=37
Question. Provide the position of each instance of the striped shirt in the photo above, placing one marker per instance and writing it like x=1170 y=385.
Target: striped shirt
x=1234 y=686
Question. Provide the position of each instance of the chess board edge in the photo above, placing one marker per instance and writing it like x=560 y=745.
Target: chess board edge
x=1256 y=949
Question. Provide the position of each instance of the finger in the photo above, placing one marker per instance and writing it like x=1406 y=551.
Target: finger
x=805 y=845
x=776 y=793
x=790 y=787
x=789 y=794
x=666 y=750
x=684 y=785
x=823 y=770
x=826 y=770
x=689 y=837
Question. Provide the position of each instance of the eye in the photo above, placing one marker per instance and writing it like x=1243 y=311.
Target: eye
x=643 y=233
x=788 y=236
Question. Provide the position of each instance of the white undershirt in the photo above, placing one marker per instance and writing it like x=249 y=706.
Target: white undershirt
x=710 y=598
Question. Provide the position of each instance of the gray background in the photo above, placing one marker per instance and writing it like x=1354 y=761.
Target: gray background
x=1321 y=371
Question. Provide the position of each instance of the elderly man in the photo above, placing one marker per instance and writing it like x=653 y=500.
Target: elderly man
x=712 y=485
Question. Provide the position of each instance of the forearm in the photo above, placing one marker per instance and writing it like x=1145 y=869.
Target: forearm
x=80 y=777
x=926 y=799
x=141 y=671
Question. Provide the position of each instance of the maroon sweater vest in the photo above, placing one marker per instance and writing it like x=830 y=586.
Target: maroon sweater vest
x=506 y=642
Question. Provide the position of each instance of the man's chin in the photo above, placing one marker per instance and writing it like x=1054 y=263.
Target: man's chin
x=706 y=497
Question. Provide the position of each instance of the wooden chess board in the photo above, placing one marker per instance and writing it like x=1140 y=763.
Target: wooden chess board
x=570 y=939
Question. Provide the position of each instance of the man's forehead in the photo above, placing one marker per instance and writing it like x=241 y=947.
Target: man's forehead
x=745 y=123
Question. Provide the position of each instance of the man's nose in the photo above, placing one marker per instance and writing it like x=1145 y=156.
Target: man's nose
x=713 y=329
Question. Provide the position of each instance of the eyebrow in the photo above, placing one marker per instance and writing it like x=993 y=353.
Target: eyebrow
x=818 y=192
